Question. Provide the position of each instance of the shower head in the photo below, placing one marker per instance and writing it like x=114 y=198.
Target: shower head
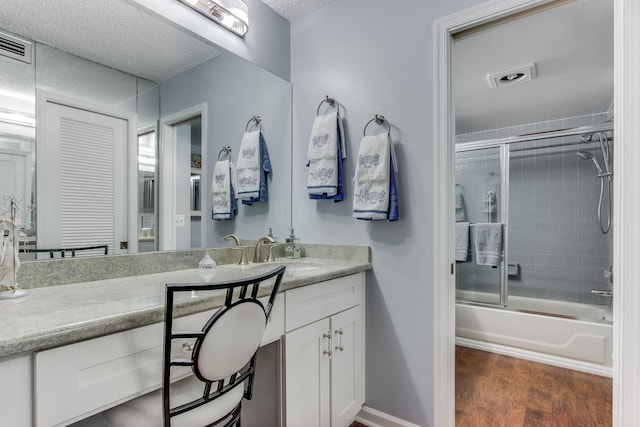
x=586 y=155
x=586 y=138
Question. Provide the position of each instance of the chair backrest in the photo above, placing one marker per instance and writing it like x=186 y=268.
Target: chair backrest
x=224 y=353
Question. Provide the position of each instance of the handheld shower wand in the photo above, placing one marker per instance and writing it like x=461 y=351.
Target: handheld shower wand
x=586 y=155
x=589 y=156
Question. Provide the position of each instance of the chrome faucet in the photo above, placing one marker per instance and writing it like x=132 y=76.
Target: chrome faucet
x=234 y=237
x=256 y=253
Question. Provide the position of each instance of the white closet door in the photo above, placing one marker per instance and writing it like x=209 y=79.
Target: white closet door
x=82 y=191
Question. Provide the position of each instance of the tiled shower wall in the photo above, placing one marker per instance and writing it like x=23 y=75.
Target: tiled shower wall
x=553 y=230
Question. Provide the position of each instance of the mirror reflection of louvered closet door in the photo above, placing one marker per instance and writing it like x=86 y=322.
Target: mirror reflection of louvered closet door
x=81 y=179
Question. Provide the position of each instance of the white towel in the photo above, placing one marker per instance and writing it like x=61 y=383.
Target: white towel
x=221 y=189
x=248 y=166
x=462 y=241
x=323 y=154
x=489 y=244
x=372 y=178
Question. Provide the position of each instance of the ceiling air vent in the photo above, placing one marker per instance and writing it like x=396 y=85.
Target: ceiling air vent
x=522 y=74
x=14 y=47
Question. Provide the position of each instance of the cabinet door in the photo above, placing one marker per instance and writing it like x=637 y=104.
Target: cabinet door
x=347 y=366
x=307 y=376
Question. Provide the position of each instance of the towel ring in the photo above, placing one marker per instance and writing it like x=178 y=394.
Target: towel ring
x=256 y=119
x=331 y=101
x=226 y=150
x=380 y=120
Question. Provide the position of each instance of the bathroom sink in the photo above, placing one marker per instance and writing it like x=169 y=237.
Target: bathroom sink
x=293 y=266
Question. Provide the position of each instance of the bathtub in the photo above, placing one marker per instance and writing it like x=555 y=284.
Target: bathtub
x=571 y=340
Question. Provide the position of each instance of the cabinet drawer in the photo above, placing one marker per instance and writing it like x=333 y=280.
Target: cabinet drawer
x=310 y=303
x=84 y=378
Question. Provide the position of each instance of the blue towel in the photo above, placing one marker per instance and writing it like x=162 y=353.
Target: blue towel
x=489 y=244
x=265 y=169
x=462 y=241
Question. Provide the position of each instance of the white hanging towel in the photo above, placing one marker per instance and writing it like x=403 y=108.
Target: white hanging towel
x=248 y=166
x=326 y=134
x=372 y=179
x=222 y=189
x=489 y=244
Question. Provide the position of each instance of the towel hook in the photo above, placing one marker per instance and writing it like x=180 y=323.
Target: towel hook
x=329 y=100
x=226 y=150
x=380 y=120
x=257 y=120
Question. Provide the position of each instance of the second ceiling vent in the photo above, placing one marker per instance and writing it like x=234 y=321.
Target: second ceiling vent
x=14 y=47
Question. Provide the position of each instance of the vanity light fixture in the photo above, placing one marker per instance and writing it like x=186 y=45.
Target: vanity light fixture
x=231 y=14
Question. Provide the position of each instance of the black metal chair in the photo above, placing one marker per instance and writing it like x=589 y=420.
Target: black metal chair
x=63 y=251
x=223 y=359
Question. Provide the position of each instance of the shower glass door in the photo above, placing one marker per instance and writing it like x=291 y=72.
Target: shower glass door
x=479 y=199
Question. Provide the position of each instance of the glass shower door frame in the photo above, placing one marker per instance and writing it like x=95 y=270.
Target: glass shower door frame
x=504 y=214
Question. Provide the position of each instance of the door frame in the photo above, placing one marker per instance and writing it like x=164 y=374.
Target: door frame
x=44 y=96
x=166 y=172
x=626 y=269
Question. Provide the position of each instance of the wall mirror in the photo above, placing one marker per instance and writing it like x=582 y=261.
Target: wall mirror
x=86 y=63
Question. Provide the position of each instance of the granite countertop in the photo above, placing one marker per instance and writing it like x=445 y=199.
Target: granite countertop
x=57 y=315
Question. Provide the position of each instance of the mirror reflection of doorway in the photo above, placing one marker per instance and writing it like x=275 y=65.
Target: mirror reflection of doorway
x=182 y=163
x=147 y=190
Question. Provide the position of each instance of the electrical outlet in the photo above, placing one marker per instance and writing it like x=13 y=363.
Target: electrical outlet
x=179 y=220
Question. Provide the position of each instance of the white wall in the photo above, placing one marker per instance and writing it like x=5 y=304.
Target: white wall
x=377 y=57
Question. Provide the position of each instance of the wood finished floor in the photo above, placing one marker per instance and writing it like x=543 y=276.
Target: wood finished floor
x=495 y=390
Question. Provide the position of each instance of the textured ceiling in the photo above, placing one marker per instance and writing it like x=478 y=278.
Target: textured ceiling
x=115 y=33
x=294 y=9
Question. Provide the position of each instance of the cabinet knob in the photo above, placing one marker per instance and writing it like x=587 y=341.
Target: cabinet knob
x=326 y=336
x=339 y=348
x=327 y=353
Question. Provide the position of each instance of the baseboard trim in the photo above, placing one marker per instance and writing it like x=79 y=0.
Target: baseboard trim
x=374 y=418
x=562 y=362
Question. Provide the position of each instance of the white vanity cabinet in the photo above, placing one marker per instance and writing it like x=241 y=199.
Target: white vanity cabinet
x=320 y=326
x=325 y=353
x=15 y=391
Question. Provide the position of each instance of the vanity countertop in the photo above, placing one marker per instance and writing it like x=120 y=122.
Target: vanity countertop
x=57 y=315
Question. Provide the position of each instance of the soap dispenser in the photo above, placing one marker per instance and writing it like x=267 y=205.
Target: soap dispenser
x=290 y=249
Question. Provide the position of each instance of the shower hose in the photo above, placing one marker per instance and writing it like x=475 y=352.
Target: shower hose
x=604 y=227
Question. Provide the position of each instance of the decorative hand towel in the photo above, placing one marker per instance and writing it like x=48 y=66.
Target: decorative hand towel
x=225 y=205
x=326 y=151
x=462 y=241
x=252 y=168
x=489 y=244
x=375 y=190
